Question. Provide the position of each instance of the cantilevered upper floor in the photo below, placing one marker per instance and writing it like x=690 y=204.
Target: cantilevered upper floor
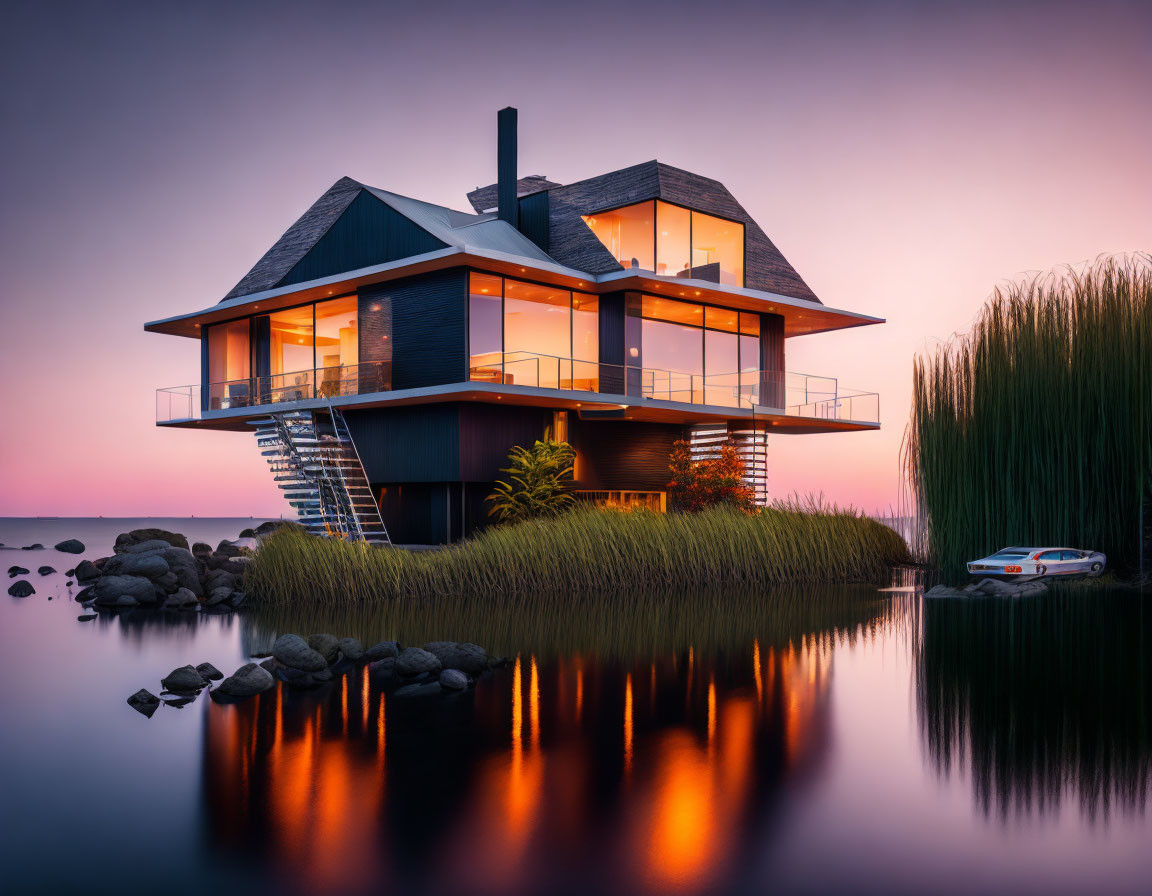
x=646 y=293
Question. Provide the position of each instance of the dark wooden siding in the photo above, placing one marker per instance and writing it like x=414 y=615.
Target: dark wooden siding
x=623 y=455
x=367 y=233
x=772 y=360
x=534 y=219
x=488 y=432
x=408 y=444
x=427 y=319
x=612 y=343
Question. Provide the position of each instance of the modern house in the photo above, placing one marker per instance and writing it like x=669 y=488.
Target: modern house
x=389 y=352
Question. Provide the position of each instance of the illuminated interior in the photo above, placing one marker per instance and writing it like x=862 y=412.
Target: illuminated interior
x=672 y=241
x=530 y=335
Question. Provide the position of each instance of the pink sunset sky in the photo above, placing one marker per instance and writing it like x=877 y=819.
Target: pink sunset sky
x=906 y=158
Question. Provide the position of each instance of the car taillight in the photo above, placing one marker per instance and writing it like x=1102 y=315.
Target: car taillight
x=1012 y=569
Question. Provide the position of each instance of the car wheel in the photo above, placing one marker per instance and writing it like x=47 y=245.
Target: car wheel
x=1096 y=567
x=1041 y=569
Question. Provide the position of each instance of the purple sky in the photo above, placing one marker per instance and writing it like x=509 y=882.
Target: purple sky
x=904 y=157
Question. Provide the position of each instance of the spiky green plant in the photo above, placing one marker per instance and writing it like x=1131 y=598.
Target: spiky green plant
x=537 y=483
x=1036 y=428
x=585 y=551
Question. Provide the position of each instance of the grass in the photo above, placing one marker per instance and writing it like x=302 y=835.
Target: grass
x=587 y=551
x=1036 y=428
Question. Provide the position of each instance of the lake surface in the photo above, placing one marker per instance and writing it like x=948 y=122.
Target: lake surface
x=796 y=741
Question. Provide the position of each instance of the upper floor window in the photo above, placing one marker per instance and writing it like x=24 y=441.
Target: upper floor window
x=673 y=241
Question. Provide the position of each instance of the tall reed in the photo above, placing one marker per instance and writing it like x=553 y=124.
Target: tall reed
x=586 y=550
x=1036 y=428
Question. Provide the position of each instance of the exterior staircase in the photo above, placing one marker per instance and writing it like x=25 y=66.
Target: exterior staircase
x=315 y=463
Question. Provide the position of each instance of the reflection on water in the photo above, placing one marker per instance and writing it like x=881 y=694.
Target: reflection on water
x=560 y=771
x=1040 y=700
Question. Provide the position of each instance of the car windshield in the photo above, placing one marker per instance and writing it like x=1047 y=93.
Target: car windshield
x=1009 y=555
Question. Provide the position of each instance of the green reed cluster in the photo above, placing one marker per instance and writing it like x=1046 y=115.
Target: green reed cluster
x=586 y=551
x=1036 y=428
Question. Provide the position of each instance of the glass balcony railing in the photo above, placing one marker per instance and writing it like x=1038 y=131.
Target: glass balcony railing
x=764 y=391
x=190 y=402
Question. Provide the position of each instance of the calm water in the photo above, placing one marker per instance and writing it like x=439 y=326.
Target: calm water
x=829 y=741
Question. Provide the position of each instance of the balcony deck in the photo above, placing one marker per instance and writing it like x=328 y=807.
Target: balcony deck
x=787 y=402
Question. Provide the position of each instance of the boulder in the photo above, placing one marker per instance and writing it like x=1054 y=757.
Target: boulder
x=144 y=702
x=45 y=570
x=217 y=597
x=149 y=565
x=71 y=546
x=944 y=591
x=322 y=675
x=228 y=548
x=209 y=672
x=14 y=571
x=247 y=681
x=422 y=690
x=384 y=668
x=295 y=677
x=415 y=660
x=328 y=646
x=267 y=528
x=201 y=550
x=179 y=702
x=186 y=678
x=469 y=658
x=33 y=547
x=270 y=664
x=86 y=617
x=85 y=595
x=1011 y=589
x=126 y=540
x=235 y=565
x=218 y=578
x=22 y=588
x=126 y=600
x=108 y=589
x=294 y=652
x=352 y=649
x=381 y=651
x=181 y=600
x=87 y=571
x=453 y=680
x=237 y=599
x=168 y=583
x=184 y=565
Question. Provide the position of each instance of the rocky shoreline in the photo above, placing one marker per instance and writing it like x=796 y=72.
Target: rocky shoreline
x=989 y=588
x=438 y=669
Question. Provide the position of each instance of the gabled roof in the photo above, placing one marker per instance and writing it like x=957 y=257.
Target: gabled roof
x=447 y=226
x=483 y=199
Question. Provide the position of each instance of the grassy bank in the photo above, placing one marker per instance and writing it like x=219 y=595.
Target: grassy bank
x=1035 y=428
x=585 y=551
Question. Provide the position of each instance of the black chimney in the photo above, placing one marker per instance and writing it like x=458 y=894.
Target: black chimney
x=507 y=207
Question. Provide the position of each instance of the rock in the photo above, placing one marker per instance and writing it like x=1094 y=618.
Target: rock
x=453 y=680
x=144 y=702
x=209 y=672
x=381 y=651
x=126 y=600
x=322 y=675
x=186 y=678
x=270 y=664
x=295 y=677
x=86 y=617
x=181 y=600
x=411 y=691
x=87 y=571
x=45 y=570
x=219 y=578
x=237 y=599
x=179 y=702
x=184 y=565
x=235 y=565
x=293 y=651
x=201 y=550
x=327 y=646
x=126 y=540
x=71 y=546
x=14 y=571
x=228 y=548
x=414 y=660
x=469 y=658
x=247 y=533
x=267 y=528
x=84 y=596
x=168 y=583
x=33 y=547
x=70 y=573
x=384 y=668
x=22 y=588
x=351 y=648
x=217 y=597
x=247 y=681
x=108 y=589
x=1012 y=589
x=943 y=591
x=149 y=565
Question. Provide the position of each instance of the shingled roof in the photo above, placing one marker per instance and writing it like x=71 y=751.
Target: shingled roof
x=483 y=199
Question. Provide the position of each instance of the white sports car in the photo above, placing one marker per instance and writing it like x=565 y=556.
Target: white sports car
x=1026 y=564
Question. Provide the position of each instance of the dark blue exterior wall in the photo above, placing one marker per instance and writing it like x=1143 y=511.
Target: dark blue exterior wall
x=417 y=443
x=367 y=233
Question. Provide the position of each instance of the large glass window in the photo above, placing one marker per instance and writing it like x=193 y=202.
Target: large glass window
x=694 y=353
x=531 y=335
x=337 y=344
x=686 y=243
x=627 y=234
x=229 y=365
